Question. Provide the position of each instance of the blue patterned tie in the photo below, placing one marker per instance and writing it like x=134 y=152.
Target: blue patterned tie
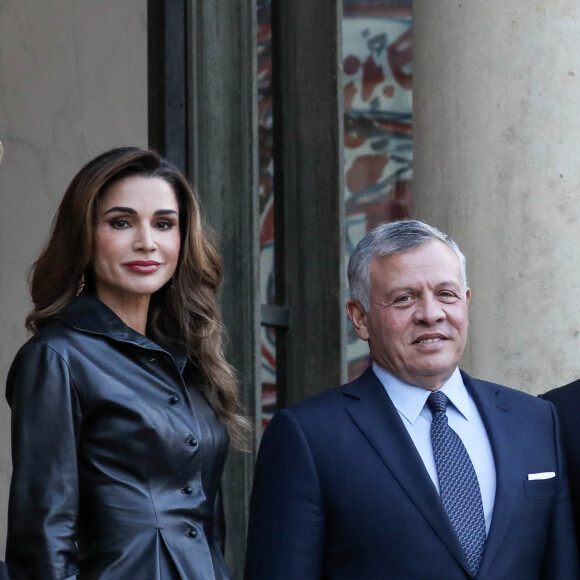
x=459 y=488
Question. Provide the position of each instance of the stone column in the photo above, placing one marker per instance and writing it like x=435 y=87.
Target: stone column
x=497 y=149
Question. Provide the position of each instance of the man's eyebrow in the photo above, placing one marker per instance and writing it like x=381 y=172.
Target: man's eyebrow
x=411 y=288
x=397 y=289
x=449 y=283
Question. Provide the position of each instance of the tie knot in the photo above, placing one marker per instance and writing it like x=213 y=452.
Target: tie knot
x=437 y=402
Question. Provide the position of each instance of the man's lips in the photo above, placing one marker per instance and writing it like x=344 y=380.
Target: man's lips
x=430 y=339
x=143 y=266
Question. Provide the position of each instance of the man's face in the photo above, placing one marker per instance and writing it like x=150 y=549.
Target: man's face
x=416 y=325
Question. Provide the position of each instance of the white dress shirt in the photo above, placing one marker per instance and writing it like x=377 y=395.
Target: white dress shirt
x=464 y=419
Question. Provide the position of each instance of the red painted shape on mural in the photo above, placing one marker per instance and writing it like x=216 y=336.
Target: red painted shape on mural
x=389 y=91
x=351 y=64
x=352 y=140
x=349 y=93
x=372 y=76
x=397 y=206
x=400 y=55
x=264 y=32
x=381 y=207
x=354 y=133
x=395 y=127
x=365 y=171
x=267 y=225
x=270 y=358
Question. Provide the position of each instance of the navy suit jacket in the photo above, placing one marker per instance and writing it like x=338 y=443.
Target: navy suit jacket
x=566 y=399
x=341 y=493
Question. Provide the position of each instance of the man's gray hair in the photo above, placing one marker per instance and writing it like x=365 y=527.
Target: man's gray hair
x=388 y=239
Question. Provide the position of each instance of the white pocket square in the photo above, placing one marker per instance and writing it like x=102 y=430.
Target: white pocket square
x=542 y=475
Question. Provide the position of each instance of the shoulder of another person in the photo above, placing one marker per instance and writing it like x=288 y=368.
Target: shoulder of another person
x=565 y=394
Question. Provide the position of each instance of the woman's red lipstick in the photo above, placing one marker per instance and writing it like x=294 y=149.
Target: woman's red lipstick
x=143 y=266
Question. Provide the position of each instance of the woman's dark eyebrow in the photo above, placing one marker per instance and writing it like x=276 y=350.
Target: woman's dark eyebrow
x=119 y=209
x=130 y=210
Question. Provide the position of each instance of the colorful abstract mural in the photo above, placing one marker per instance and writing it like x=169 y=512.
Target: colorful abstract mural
x=378 y=150
x=378 y=130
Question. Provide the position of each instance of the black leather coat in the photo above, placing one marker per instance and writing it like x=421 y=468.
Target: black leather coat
x=117 y=458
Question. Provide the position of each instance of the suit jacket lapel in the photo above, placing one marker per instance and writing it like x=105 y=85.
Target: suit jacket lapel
x=498 y=421
x=371 y=409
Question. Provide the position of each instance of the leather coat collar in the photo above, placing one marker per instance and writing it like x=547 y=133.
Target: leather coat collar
x=88 y=314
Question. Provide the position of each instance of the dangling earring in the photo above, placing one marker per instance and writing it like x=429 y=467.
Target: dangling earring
x=81 y=284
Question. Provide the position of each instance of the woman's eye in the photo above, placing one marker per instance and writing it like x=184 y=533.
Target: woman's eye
x=165 y=225
x=120 y=224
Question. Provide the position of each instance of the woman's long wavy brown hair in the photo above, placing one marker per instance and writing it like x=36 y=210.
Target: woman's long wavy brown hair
x=183 y=312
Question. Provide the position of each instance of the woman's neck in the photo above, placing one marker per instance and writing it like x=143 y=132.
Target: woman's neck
x=132 y=310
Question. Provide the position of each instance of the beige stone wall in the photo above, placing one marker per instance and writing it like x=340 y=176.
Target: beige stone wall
x=73 y=83
x=496 y=149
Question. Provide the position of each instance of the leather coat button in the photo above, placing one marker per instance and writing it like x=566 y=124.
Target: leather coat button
x=192 y=533
x=173 y=400
x=187 y=490
x=191 y=441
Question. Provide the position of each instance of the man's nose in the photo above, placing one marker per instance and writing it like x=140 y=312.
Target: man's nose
x=429 y=310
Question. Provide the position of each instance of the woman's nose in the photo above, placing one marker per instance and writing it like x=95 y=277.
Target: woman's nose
x=145 y=240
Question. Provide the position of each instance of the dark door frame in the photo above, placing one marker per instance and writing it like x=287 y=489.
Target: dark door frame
x=203 y=116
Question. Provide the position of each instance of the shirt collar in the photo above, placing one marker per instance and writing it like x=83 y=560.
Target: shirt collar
x=410 y=400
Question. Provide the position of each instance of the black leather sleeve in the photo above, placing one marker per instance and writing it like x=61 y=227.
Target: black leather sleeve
x=44 y=497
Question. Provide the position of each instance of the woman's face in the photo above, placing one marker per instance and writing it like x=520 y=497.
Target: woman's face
x=136 y=240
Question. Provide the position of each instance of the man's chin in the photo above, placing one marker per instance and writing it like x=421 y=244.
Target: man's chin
x=431 y=378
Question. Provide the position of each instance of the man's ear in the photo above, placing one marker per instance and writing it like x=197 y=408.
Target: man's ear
x=358 y=317
x=468 y=295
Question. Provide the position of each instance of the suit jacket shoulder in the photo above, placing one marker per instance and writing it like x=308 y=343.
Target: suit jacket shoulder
x=564 y=396
x=330 y=404
x=517 y=401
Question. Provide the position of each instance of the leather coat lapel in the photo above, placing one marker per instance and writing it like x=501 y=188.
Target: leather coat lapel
x=497 y=418
x=371 y=409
